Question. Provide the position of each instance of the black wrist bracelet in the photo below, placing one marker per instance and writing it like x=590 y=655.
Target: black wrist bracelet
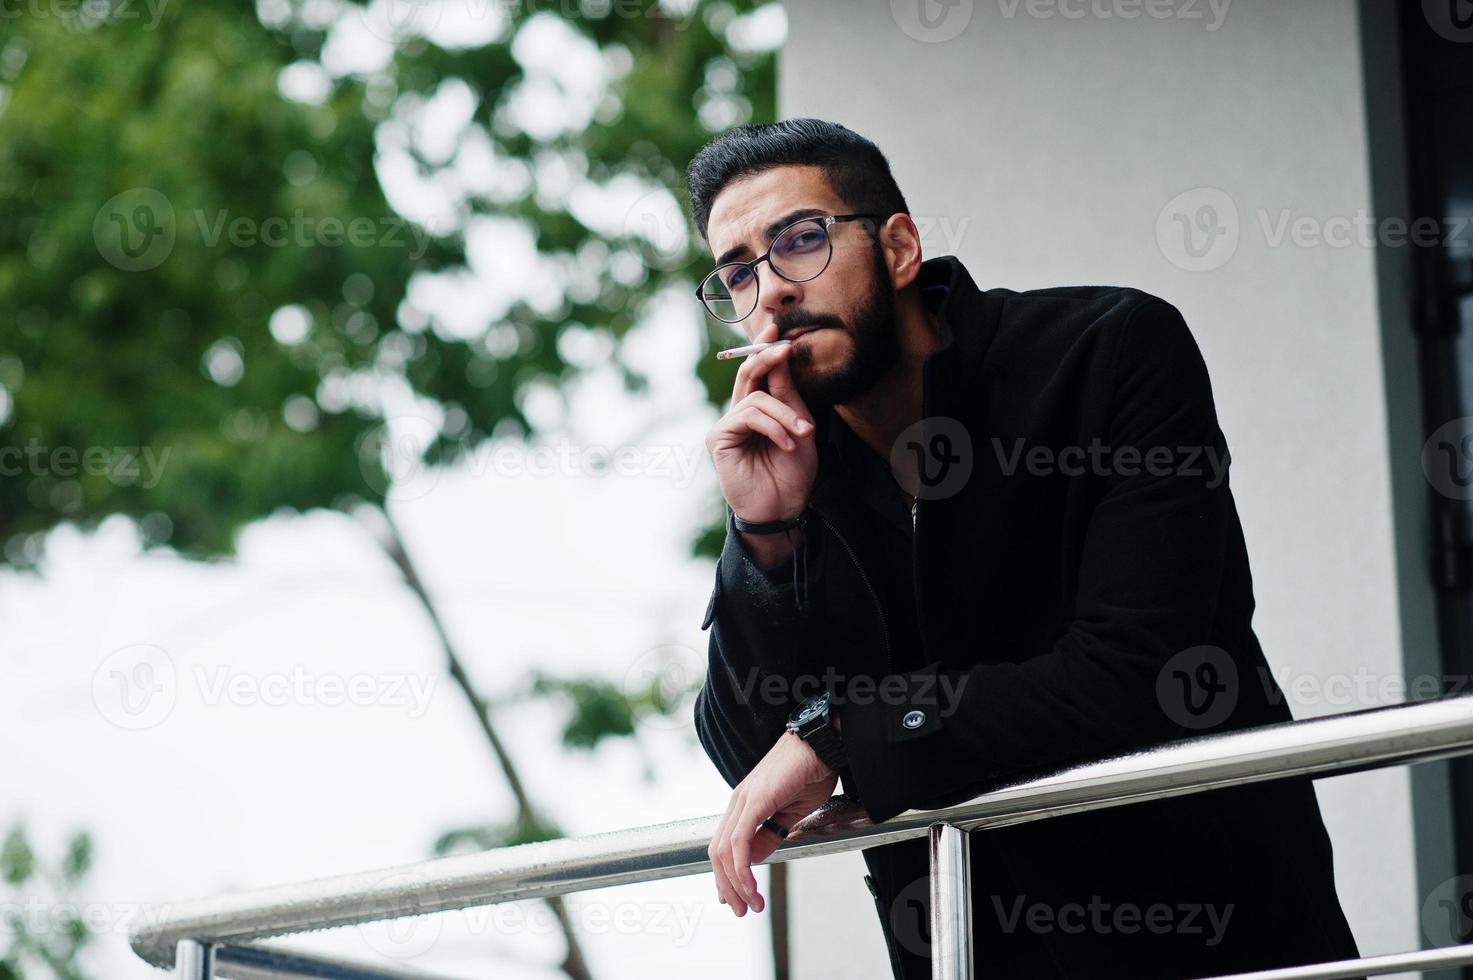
x=779 y=527
x=770 y=527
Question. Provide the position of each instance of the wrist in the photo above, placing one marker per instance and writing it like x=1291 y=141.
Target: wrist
x=813 y=722
x=765 y=515
x=770 y=552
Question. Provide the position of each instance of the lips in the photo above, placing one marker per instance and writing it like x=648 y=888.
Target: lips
x=799 y=331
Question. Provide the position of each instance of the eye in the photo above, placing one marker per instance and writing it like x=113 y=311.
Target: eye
x=804 y=239
x=738 y=277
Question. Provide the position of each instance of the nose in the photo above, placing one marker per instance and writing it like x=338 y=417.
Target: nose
x=773 y=293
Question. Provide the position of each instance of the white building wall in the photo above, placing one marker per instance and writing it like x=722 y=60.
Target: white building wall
x=1056 y=143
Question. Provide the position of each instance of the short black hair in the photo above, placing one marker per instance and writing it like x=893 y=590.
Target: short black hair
x=854 y=167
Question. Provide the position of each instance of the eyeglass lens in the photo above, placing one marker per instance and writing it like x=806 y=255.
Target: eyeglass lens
x=798 y=254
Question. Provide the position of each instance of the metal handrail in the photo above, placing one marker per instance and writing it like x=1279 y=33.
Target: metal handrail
x=1352 y=742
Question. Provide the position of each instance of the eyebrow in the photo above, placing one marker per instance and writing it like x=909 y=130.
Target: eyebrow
x=771 y=230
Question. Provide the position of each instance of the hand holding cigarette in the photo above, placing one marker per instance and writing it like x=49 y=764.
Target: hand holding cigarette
x=764 y=448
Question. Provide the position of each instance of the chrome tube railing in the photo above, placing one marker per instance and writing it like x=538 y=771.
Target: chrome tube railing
x=264 y=963
x=1373 y=738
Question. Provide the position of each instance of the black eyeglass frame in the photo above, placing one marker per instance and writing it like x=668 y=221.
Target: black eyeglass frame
x=825 y=221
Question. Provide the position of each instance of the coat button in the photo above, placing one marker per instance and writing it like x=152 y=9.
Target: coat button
x=914 y=719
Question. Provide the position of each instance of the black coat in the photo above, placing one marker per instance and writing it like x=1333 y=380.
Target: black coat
x=1074 y=601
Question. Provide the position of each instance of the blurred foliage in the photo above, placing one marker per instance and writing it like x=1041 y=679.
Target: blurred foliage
x=43 y=933
x=492 y=835
x=599 y=709
x=159 y=359
x=193 y=336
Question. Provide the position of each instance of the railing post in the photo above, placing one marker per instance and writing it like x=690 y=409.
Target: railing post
x=194 y=960
x=951 y=903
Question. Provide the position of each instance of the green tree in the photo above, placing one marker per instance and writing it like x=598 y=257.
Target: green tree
x=42 y=929
x=207 y=308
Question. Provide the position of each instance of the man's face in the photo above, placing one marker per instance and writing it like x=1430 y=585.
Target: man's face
x=851 y=303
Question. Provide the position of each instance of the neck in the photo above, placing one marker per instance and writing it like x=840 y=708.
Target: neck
x=895 y=402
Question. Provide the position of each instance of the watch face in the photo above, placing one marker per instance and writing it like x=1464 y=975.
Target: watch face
x=810 y=709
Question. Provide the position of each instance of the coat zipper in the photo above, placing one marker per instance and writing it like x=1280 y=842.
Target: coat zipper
x=884 y=628
x=915 y=510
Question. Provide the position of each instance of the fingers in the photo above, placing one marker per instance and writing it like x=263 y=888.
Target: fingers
x=762 y=414
x=781 y=424
x=793 y=417
x=780 y=381
x=754 y=369
x=720 y=855
x=732 y=852
x=754 y=419
x=741 y=842
x=776 y=373
x=743 y=831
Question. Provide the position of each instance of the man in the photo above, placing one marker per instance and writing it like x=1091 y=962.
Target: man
x=995 y=528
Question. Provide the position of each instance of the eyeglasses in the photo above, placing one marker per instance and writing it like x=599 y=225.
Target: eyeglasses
x=798 y=253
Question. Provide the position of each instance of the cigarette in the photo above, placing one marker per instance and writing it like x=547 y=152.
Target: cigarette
x=726 y=355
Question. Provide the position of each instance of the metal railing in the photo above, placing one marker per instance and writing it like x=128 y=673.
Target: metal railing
x=213 y=937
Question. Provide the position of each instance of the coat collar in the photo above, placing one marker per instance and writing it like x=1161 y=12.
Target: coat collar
x=966 y=323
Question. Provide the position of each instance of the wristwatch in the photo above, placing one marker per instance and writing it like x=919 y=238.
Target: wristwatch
x=810 y=721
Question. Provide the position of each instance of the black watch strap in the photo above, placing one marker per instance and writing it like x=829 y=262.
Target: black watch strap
x=829 y=746
x=769 y=527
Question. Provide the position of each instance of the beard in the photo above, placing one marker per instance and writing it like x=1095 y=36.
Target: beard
x=874 y=351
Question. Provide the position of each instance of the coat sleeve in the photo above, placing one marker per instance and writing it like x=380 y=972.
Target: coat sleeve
x=1147 y=584
x=761 y=660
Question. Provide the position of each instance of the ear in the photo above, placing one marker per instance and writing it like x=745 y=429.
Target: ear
x=901 y=241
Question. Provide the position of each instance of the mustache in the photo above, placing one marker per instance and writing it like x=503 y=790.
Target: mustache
x=786 y=325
